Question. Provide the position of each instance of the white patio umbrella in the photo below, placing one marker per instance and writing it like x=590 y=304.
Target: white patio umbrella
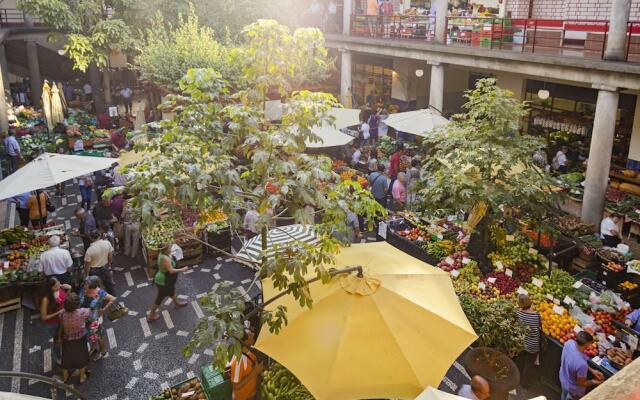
x=419 y=122
x=50 y=169
x=252 y=250
x=330 y=135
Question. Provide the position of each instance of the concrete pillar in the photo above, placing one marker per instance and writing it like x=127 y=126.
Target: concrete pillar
x=502 y=9
x=34 y=72
x=599 y=162
x=436 y=87
x=4 y=120
x=345 y=78
x=442 y=8
x=347 y=10
x=4 y=66
x=618 y=24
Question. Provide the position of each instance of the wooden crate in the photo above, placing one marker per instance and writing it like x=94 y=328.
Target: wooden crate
x=10 y=305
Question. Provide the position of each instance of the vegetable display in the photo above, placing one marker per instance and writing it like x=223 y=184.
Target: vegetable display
x=280 y=384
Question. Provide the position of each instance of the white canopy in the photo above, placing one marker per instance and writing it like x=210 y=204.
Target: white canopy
x=329 y=137
x=419 y=122
x=50 y=169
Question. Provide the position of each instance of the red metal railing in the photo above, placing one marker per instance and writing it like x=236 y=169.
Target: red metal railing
x=417 y=27
x=570 y=38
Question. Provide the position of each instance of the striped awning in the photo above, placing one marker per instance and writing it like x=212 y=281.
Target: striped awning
x=252 y=250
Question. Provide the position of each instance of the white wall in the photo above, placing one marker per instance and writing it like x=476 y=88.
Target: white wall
x=403 y=86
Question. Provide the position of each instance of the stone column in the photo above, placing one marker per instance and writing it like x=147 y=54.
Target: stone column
x=618 y=24
x=4 y=120
x=597 y=177
x=347 y=10
x=441 y=7
x=34 y=72
x=436 y=87
x=345 y=78
x=502 y=10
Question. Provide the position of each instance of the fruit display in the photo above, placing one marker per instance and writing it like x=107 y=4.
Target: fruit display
x=454 y=261
x=280 y=384
x=338 y=165
x=609 y=254
x=619 y=357
x=161 y=231
x=628 y=286
x=597 y=286
x=512 y=254
x=605 y=321
x=524 y=272
x=559 y=327
x=19 y=276
x=414 y=234
x=633 y=267
x=489 y=293
x=591 y=350
x=15 y=235
x=613 y=267
x=439 y=249
x=469 y=276
x=504 y=283
x=572 y=225
x=189 y=390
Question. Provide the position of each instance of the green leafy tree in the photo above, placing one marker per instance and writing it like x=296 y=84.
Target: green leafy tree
x=482 y=158
x=93 y=29
x=221 y=152
x=167 y=52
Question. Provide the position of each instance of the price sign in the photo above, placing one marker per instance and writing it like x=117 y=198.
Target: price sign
x=558 y=310
x=449 y=261
x=455 y=273
x=491 y=280
x=533 y=251
x=568 y=300
x=549 y=296
x=632 y=341
x=439 y=236
x=597 y=360
x=466 y=260
x=537 y=282
x=382 y=230
x=510 y=238
x=556 y=301
x=577 y=329
x=499 y=265
x=508 y=272
x=577 y=285
x=481 y=286
x=522 y=290
x=611 y=338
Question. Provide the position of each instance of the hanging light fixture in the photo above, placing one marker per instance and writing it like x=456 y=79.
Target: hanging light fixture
x=419 y=73
x=543 y=94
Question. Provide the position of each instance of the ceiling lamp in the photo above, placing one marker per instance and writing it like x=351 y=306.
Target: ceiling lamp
x=419 y=73
x=543 y=94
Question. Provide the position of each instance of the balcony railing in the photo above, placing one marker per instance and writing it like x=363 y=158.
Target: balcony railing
x=569 y=38
x=14 y=18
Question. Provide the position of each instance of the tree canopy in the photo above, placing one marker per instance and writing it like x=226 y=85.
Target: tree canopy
x=93 y=28
x=221 y=152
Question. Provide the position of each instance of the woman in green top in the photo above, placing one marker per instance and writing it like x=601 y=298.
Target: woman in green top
x=165 y=280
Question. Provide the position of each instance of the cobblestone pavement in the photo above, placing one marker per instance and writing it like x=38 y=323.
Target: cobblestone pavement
x=143 y=358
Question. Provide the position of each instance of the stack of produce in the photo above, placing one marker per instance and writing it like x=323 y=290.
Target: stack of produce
x=609 y=254
x=505 y=284
x=573 y=226
x=559 y=327
x=189 y=390
x=348 y=176
x=213 y=220
x=15 y=236
x=514 y=253
x=558 y=285
x=19 y=276
x=280 y=384
x=605 y=321
x=162 y=231
x=619 y=357
x=469 y=277
x=415 y=234
x=439 y=249
x=454 y=261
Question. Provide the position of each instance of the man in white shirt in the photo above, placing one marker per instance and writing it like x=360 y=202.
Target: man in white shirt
x=249 y=223
x=126 y=94
x=560 y=162
x=56 y=261
x=355 y=159
x=97 y=261
x=88 y=91
x=610 y=230
x=366 y=133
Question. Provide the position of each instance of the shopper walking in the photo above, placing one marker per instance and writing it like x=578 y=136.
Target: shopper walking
x=574 y=368
x=87 y=225
x=103 y=215
x=165 y=279
x=526 y=360
x=75 y=354
x=22 y=206
x=97 y=261
x=93 y=297
x=379 y=185
x=131 y=221
x=399 y=192
x=38 y=208
x=127 y=96
x=56 y=262
x=51 y=307
x=12 y=148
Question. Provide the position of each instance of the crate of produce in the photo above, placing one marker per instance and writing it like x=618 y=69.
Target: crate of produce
x=191 y=389
x=214 y=383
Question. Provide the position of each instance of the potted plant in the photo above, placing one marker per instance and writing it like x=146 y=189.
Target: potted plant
x=500 y=337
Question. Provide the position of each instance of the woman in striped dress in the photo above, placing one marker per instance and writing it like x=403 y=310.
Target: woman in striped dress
x=526 y=360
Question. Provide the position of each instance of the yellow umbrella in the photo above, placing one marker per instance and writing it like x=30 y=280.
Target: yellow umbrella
x=387 y=334
x=46 y=104
x=57 y=111
x=62 y=97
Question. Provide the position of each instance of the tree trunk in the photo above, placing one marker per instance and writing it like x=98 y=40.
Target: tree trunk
x=94 y=81
x=480 y=244
x=106 y=87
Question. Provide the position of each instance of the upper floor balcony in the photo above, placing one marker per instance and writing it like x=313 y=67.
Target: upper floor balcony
x=14 y=18
x=578 y=38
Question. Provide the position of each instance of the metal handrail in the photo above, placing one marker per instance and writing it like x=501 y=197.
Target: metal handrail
x=55 y=384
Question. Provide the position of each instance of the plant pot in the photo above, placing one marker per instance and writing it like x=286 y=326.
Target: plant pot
x=502 y=377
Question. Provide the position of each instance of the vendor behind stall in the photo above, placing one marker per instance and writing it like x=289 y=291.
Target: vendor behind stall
x=574 y=368
x=633 y=320
x=610 y=232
